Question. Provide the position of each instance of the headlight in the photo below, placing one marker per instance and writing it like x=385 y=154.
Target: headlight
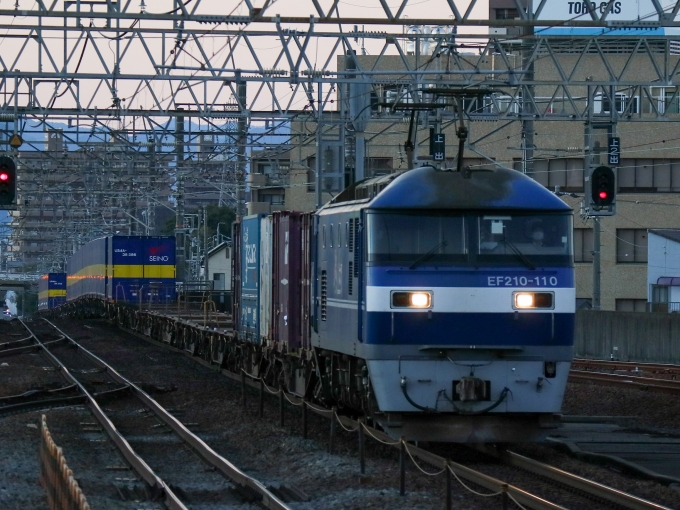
x=532 y=300
x=417 y=299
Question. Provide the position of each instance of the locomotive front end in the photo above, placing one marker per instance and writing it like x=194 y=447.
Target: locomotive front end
x=479 y=309
x=469 y=310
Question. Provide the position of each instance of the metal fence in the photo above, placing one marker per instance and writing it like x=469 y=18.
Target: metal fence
x=663 y=307
x=63 y=492
x=628 y=336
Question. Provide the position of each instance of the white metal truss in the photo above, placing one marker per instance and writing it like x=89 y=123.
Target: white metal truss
x=131 y=69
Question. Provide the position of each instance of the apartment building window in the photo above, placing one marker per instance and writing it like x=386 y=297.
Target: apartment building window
x=311 y=174
x=631 y=305
x=563 y=172
x=664 y=100
x=631 y=245
x=647 y=175
x=622 y=102
x=378 y=166
x=583 y=245
x=506 y=104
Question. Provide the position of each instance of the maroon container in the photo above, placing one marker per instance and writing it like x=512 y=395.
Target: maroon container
x=290 y=290
x=305 y=286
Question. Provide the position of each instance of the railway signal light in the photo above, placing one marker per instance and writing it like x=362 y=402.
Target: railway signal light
x=8 y=181
x=602 y=187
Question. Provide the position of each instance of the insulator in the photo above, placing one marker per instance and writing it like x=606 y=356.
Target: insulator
x=274 y=72
x=316 y=73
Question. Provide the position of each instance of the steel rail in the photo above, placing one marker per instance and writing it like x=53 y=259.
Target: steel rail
x=141 y=467
x=590 y=487
x=488 y=482
x=646 y=383
x=521 y=496
x=269 y=500
x=626 y=365
x=28 y=348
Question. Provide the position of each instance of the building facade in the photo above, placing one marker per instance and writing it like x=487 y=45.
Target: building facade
x=648 y=172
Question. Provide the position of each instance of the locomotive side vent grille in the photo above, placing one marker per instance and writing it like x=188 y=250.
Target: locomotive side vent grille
x=351 y=235
x=350 y=279
x=356 y=246
x=324 y=294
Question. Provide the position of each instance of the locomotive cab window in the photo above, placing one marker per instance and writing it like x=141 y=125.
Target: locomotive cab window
x=530 y=240
x=416 y=239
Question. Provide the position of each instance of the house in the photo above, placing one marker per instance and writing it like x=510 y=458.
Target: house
x=663 y=270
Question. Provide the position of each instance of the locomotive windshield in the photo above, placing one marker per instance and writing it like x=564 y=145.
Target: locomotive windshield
x=415 y=239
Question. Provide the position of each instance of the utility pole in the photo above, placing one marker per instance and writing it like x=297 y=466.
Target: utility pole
x=205 y=243
x=180 y=241
x=527 y=141
x=587 y=170
x=319 y=145
x=242 y=132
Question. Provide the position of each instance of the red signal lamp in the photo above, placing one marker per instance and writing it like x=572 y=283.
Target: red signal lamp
x=4 y=176
x=603 y=194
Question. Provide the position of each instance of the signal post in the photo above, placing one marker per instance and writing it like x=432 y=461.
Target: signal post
x=600 y=181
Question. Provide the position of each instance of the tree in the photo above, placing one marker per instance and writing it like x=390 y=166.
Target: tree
x=216 y=215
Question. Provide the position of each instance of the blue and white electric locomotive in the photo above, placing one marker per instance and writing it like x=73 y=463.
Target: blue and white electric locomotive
x=443 y=304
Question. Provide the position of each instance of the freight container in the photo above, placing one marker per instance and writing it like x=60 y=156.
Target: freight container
x=141 y=269
x=290 y=286
x=266 y=250
x=133 y=269
x=86 y=271
x=51 y=291
x=249 y=290
x=306 y=288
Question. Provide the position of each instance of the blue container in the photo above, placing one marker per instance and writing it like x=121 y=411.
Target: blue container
x=249 y=319
x=51 y=291
x=142 y=269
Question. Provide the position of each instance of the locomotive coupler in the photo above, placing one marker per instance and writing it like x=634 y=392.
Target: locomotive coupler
x=471 y=389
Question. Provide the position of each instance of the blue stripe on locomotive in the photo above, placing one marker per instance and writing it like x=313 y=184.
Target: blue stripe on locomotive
x=484 y=329
x=249 y=320
x=480 y=329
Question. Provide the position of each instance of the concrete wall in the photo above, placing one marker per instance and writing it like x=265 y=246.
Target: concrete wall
x=643 y=337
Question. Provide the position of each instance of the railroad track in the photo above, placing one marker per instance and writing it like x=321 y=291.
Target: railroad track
x=629 y=381
x=98 y=380
x=591 y=490
x=627 y=366
x=594 y=490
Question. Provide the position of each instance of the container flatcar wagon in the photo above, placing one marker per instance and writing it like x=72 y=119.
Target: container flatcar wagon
x=130 y=269
x=51 y=291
